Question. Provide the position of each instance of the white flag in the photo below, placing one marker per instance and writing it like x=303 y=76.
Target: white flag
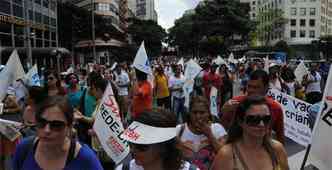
x=213 y=101
x=12 y=72
x=231 y=59
x=141 y=61
x=32 y=77
x=321 y=147
x=181 y=62
x=192 y=70
x=300 y=71
x=219 y=61
x=109 y=128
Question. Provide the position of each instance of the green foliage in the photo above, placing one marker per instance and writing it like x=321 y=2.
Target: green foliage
x=282 y=46
x=218 y=20
x=150 y=32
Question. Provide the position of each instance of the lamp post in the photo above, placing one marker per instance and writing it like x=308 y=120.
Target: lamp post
x=30 y=35
x=93 y=31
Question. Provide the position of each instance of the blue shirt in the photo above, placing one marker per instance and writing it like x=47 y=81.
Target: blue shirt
x=75 y=97
x=85 y=159
x=90 y=103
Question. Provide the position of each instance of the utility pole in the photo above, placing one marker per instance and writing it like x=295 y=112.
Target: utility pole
x=93 y=31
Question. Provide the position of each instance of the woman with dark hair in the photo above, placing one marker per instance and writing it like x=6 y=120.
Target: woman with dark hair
x=54 y=147
x=226 y=90
x=199 y=138
x=249 y=140
x=53 y=85
x=74 y=91
x=156 y=146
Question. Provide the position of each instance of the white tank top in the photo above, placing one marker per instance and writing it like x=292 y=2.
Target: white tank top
x=314 y=86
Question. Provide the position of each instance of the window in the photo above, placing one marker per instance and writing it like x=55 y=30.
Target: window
x=312 y=11
x=38 y=2
x=293 y=11
x=312 y=22
x=302 y=11
x=18 y=11
x=293 y=22
x=292 y=33
x=46 y=19
x=38 y=17
x=5 y=7
x=312 y=34
x=253 y=15
x=253 y=2
x=302 y=33
x=45 y=3
x=302 y=22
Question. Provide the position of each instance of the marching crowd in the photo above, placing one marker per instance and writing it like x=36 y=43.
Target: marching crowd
x=57 y=118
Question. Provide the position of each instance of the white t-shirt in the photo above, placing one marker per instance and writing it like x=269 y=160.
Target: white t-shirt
x=314 y=86
x=175 y=82
x=122 y=79
x=134 y=166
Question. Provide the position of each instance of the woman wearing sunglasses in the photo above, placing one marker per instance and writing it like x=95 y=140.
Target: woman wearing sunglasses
x=249 y=140
x=152 y=140
x=53 y=85
x=54 y=148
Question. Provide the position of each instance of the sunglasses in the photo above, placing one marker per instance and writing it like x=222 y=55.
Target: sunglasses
x=50 y=78
x=55 y=125
x=252 y=120
x=139 y=147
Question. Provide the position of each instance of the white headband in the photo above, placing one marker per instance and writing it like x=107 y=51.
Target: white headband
x=140 y=133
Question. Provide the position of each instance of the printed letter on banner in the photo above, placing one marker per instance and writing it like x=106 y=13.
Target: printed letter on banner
x=299 y=117
x=108 y=127
x=321 y=147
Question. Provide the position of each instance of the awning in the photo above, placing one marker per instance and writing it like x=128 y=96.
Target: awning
x=100 y=43
x=36 y=51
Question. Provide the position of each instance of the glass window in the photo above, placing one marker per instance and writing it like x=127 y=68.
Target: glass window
x=5 y=39
x=38 y=2
x=46 y=19
x=18 y=11
x=53 y=36
x=53 y=43
x=19 y=41
x=292 y=33
x=312 y=22
x=18 y=30
x=254 y=2
x=5 y=27
x=312 y=34
x=30 y=15
x=39 y=43
x=293 y=22
x=46 y=35
x=39 y=33
x=45 y=3
x=47 y=43
x=38 y=17
x=293 y=11
x=5 y=7
x=53 y=21
x=302 y=33
x=18 y=1
x=302 y=22
x=302 y=11
x=312 y=11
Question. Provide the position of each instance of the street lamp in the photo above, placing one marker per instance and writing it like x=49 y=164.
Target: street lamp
x=30 y=36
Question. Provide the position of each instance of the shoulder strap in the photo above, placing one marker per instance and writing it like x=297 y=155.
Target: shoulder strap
x=82 y=101
x=181 y=131
x=27 y=147
x=126 y=165
x=237 y=153
x=71 y=153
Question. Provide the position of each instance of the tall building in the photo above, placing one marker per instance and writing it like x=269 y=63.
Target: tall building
x=306 y=20
x=107 y=44
x=143 y=9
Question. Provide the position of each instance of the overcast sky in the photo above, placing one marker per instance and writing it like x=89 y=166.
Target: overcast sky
x=170 y=10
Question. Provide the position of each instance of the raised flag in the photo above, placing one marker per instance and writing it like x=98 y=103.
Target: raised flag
x=300 y=71
x=109 y=128
x=141 y=61
x=32 y=77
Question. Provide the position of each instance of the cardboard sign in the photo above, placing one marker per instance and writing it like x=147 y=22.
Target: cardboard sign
x=141 y=61
x=10 y=129
x=299 y=117
x=144 y=134
x=109 y=128
x=213 y=101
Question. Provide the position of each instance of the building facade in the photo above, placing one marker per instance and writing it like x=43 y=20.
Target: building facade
x=143 y=9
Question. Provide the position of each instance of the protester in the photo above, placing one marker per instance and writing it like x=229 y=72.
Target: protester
x=122 y=83
x=142 y=97
x=176 y=87
x=156 y=146
x=74 y=91
x=226 y=87
x=54 y=147
x=258 y=85
x=200 y=139
x=249 y=140
x=211 y=79
x=53 y=85
x=312 y=82
x=161 y=91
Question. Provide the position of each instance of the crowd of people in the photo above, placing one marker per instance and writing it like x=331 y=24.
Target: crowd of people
x=57 y=118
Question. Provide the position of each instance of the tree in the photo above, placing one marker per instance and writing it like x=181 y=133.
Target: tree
x=270 y=23
x=150 y=32
x=218 y=20
x=282 y=46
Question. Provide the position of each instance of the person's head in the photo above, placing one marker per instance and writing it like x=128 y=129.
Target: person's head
x=314 y=67
x=252 y=118
x=98 y=87
x=214 y=68
x=199 y=112
x=141 y=76
x=258 y=83
x=52 y=79
x=177 y=70
x=54 y=120
x=160 y=70
x=166 y=151
x=72 y=79
x=36 y=95
x=118 y=69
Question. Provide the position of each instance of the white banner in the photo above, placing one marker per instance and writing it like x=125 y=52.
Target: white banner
x=12 y=72
x=32 y=77
x=109 y=128
x=300 y=71
x=188 y=87
x=299 y=117
x=191 y=71
x=321 y=147
x=141 y=61
x=213 y=101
